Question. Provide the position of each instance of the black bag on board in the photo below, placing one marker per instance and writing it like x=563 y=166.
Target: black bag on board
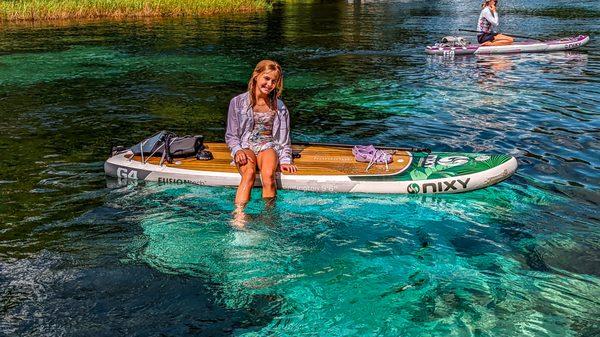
x=170 y=145
x=151 y=146
x=182 y=147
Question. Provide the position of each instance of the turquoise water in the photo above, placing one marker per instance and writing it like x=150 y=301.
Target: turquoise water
x=79 y=256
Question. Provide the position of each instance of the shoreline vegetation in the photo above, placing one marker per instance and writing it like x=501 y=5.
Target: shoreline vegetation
x=34 y=10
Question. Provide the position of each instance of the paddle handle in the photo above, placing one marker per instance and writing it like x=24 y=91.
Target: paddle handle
x=409 y=149
x=513 y=35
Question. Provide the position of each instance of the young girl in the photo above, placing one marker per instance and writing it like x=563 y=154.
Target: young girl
x=258 y=131
x=488 y=21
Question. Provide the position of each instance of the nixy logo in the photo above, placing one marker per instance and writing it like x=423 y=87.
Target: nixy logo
x=413 y=188
x=444 y=186
x=430 y=160
x=453 y=161
x=440 y=186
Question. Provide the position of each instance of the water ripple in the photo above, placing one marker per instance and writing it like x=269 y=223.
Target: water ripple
x=518 y=258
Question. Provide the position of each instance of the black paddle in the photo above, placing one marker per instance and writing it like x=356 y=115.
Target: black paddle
x=513 y=35
x=409 y=149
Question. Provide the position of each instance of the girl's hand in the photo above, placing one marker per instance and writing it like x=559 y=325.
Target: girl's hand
x=291 y=168
x=241 y=158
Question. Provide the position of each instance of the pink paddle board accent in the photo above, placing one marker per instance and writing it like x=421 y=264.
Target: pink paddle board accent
x=518 y=47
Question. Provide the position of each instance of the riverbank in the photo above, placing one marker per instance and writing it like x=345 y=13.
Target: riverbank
x=32 y=10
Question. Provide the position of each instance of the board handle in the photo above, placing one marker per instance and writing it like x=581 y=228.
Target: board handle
x=409 y=149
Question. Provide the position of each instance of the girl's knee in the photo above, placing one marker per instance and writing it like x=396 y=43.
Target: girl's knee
x=249 y=174
x=268 y=176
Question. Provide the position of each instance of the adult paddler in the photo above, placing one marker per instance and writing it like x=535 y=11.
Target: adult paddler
x=487 y=24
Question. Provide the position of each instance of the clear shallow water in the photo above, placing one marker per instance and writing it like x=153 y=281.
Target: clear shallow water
x=520 y=258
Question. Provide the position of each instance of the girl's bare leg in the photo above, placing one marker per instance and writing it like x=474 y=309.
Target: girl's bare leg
x=502 y=40
x=267 y=163
x=248 y=172
x=239 y=217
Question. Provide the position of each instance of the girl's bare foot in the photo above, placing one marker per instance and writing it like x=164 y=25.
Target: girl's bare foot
x=239 y=216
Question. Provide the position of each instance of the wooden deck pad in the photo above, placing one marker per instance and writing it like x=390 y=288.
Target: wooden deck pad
x=314 y=160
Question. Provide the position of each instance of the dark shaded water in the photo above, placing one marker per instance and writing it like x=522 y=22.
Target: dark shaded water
x=519 y=258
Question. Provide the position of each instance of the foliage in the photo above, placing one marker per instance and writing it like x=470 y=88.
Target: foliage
x=14 y=10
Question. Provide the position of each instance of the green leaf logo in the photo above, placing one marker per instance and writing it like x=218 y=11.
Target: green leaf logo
x=413 y=188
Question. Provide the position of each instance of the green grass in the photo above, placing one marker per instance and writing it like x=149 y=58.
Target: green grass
x=18 y=10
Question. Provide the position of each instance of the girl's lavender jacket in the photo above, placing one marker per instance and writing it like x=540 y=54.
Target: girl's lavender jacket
x=240 y=122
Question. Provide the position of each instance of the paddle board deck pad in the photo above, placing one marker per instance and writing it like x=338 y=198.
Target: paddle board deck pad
x=517 y=47
x=324 y=168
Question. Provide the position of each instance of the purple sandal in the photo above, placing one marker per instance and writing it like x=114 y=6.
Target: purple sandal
x=369 y=154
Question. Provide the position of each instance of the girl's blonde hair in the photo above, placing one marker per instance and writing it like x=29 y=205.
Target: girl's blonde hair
x=485 y=3
x=262 y=67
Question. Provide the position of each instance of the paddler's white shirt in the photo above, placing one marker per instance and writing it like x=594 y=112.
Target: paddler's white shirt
x=492 y=18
